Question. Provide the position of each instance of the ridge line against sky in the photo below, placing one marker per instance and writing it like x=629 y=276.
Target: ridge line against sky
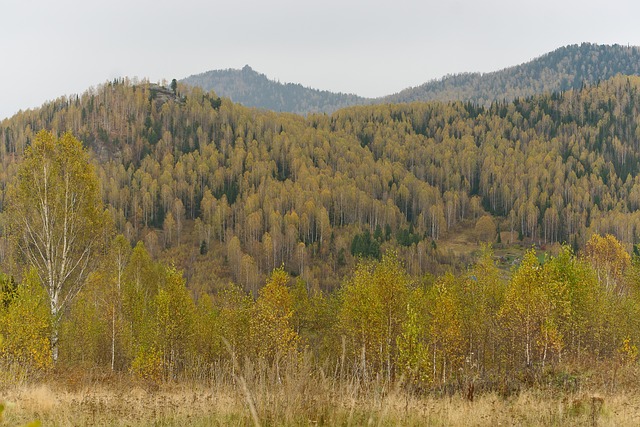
x=369 y=48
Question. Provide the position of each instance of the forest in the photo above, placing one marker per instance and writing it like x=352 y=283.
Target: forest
x=210 y=239
x=214 y=186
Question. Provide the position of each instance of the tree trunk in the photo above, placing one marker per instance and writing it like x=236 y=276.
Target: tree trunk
x=113 y=339
x=54 y=328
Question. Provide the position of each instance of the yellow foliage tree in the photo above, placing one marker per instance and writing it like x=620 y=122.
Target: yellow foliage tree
x=57 y=218
x=485 y=229
x=175 y=315
x=480 y=295
x=535 y=306
x=609 y=258
x=445 y=330
x=25 y=325
x=414 y=359
x=84 y=330
x=374 y=307
x=236 y=309
x=272 y=331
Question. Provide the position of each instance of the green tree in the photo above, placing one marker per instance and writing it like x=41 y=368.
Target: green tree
x=8 y=289
x=536 y=305
x=25 y=325
x=374 y=305
x=141 y=280
x=363 y=245
x=57 y=218
x=272 y=328
x=175 y=315
x=445 y=329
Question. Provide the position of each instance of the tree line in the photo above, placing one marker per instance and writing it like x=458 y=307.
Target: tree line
x=136 y=315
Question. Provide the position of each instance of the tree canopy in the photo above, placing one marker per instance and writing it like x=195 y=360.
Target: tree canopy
x=263 y=189
x=56 y=217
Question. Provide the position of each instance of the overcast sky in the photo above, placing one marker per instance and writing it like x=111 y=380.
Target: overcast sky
x=371 y=48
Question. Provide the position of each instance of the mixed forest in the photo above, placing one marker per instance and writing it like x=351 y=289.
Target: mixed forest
x=209 y=237
x=216 y=186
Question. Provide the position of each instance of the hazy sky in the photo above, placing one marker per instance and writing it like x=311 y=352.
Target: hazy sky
x=371 y=48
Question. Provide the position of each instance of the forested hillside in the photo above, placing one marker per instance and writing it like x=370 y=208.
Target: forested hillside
x=251 y=190
x=252 y=89
x=565 y=68
x=189 y=239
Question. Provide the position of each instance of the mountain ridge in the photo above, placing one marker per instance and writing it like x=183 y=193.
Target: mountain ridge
x=568 y=67
x=550 y=72
x=253 y=89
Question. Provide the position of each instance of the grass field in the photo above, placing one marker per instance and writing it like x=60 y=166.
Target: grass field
x=460 y=243
x=195 y=406
x=309 y=399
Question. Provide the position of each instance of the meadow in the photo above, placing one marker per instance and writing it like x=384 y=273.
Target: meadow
x=263 y=395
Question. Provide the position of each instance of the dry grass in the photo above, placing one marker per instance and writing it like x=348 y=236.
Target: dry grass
x=106 y=406
x=459 y=241
x=182 y=406
x=304 y=394
x=305 y=403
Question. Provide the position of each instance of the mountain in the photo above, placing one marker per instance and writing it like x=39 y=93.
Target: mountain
x=258 y=232
x=215 y=193
x=231 y=192
x=565 y=68
x=261 y=215
x=252 y=89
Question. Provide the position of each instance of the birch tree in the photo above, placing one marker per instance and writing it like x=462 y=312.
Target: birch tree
x=57 y=218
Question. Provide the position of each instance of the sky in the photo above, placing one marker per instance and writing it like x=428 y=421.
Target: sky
x=371 y=48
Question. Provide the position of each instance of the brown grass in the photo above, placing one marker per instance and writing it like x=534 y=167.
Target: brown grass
x=194 y=406
x=301 y=394
x=304 y=395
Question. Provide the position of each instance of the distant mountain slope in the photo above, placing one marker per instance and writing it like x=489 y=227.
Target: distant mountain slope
x=264 y=189
x=564 y=68
x=252 y=89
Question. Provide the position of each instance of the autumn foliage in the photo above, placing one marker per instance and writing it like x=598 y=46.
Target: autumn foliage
x=252 y=190
x=248 y=237
x=475 y=327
